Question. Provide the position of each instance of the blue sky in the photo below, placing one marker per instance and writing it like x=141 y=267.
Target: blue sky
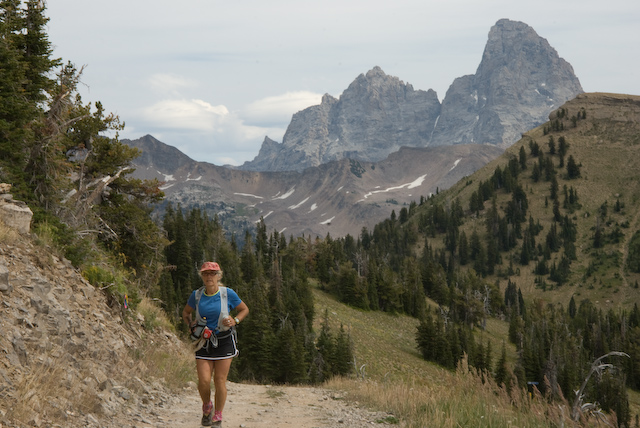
x=213 y=77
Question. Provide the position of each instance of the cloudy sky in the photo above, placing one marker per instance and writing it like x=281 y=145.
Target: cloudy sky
x=214 y=77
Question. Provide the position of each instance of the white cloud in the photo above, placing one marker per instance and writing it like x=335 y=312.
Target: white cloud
x=280 y=108
x=203 y=131
x=195 y=115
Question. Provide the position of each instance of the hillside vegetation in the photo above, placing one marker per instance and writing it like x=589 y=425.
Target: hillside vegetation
x=602 y=132
x=391 y=376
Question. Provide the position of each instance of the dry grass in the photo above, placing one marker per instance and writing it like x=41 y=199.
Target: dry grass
x=47 y=392
x=464 y=399
x=53 y=391
x=154 y=317
x=393 y=377
x=171 y=362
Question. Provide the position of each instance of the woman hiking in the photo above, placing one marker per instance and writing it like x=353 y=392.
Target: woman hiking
x=214 y=329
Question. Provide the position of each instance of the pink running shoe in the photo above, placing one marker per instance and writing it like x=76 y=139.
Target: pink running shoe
x=217 y=416
x=217 y=419
x=207 y=414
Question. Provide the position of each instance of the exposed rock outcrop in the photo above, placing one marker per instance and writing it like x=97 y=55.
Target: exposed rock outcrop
x=520 y=80
x=14 y=214
x=374 y=117
x=66 y=354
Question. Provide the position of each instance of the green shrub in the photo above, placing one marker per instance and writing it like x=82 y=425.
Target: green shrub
x=115 y=285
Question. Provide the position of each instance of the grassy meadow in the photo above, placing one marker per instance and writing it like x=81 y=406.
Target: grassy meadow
x=391 y=376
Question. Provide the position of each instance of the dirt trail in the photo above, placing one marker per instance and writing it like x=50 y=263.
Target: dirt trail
x=258 y=406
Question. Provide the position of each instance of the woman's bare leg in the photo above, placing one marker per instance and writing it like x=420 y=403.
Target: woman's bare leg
x=205 y=370
x=221 y=371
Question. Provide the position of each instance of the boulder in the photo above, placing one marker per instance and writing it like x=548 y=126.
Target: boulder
x=16 y=216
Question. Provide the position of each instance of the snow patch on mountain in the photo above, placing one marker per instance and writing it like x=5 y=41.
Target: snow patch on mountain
x=249 y=195
x=265 y=216
x=286 y=195
x=293 y=207
x=167 y=177
x=327 y=221
x=415 y=183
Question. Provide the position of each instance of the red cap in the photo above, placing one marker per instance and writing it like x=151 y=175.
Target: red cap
x=209 y=266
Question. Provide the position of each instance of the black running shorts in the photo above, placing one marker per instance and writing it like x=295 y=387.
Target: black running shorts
x=227 y=348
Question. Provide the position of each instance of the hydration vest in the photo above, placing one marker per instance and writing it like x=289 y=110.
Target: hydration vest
x=224 y=308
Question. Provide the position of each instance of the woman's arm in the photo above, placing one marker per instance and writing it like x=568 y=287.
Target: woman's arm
x=186 y=315
x=243 y=311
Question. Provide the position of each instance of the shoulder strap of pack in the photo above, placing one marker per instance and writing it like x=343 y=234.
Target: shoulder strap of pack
x=199 y=292
x=224 y=308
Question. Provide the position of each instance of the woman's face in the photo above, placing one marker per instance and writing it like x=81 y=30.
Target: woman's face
x=211 y=275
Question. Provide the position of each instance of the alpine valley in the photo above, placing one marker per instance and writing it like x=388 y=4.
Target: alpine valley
x=349 y=162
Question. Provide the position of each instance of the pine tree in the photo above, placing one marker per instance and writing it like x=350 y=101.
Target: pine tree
x=37 y=53
x=16 y=110
x=343 y=363
x=256 y=337
x=522 y=158
x=326 y=350
x=502 y=371
x=426 y=338
x=183 y=275
x=572 y=308
x=488 y=356
x=463 y=249
x=288 y=356
x=248 y=264
x=573 y=170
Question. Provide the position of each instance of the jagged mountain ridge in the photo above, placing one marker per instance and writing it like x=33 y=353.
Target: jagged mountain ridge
x=519 y=81
x=338 y=197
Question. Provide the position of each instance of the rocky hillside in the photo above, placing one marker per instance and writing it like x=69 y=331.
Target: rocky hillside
x=339 y=197
x=68 y=356
x=520 y=80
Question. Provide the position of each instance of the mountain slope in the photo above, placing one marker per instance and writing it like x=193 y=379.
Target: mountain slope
x=337 y=198
x=519 y=81
x=603 y=136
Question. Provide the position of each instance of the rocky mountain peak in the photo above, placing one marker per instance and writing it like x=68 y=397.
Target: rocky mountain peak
x=375 y=116
x=506 y=38
x=519 y=81
x=328 y=99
